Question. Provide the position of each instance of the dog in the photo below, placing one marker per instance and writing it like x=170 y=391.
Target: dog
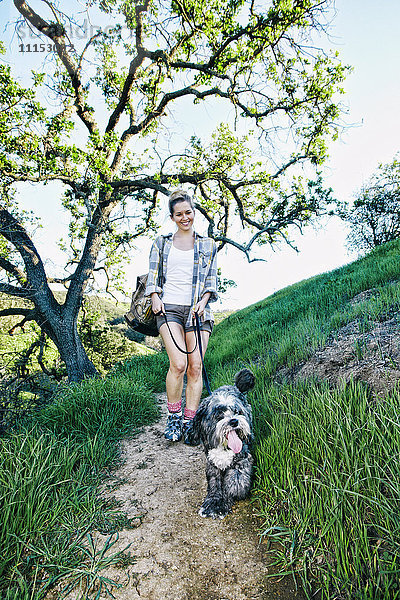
x=223 y=424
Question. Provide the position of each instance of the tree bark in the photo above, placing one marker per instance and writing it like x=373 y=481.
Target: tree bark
x=64 y=334
x=58 y=321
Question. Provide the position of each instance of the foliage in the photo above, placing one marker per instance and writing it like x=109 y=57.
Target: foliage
x=374 y=217
x=153 y=61
x=104 y=345
x=223 y=283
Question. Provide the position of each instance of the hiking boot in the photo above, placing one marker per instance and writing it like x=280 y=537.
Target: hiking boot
x=173 y=428
x=186 y=429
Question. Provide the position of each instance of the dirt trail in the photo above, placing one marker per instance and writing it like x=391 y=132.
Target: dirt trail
x=180 y=555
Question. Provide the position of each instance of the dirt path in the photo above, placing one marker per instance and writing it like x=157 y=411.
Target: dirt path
x=180 y=555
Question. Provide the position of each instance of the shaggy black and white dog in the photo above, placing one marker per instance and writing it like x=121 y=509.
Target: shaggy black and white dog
x=223 y=424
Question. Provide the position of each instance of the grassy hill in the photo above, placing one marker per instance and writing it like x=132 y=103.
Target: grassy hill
x=327 y=479
x=327 y=482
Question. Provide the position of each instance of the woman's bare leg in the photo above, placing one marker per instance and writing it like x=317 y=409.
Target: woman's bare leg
x=177 y=361
x=194 y=385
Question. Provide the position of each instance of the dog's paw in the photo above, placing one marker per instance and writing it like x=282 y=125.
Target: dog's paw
x=214 y=508
x=208 y=513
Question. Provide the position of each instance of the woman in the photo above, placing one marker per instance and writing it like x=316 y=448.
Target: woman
x=190 y=284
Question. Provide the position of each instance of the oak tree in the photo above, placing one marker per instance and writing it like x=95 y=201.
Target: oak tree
x=106 y=134
x=374 y=216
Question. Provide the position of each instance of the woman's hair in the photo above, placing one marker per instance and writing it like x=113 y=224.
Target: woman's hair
x=178 y=196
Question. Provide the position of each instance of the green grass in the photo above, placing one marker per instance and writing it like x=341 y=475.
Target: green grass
x=51 y=470
x=288 y=326
x=327 y=482
x=328 y=485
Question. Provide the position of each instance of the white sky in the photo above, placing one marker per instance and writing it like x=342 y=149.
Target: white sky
x=366 y=34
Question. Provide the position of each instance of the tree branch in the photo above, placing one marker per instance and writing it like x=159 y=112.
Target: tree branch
x=90 y=251
x=139 y=184
x=13 y=176
x=13 y=270
x=243 y=248
x=15 y=312
x=62 y=280
x=15 y=233
x=29 y=314
x=56 y=33
x=207 y=69
x=133 y=67
x=12 y=290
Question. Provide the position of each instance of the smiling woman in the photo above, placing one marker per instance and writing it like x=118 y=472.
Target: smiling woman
x=189 y=284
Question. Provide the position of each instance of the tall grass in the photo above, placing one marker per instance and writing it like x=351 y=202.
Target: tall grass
x=327 y=482
x=150 y=370
x=52 y=466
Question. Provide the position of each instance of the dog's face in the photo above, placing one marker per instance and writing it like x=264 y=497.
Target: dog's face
x=229 y=420
x=223 y=420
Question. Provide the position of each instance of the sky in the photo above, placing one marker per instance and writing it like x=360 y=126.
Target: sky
x=366 y=35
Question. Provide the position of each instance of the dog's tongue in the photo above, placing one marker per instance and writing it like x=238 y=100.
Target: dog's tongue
x=234 y=442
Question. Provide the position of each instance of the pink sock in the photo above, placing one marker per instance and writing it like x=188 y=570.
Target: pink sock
x=189 y=414
x=174 y=407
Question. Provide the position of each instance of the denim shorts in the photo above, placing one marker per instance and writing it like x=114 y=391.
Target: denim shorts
x=179 y=313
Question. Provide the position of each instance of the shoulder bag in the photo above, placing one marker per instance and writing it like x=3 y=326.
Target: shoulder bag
x=140 y=316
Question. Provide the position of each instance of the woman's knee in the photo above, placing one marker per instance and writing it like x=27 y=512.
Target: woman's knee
x=194 y=370
x=178 y=368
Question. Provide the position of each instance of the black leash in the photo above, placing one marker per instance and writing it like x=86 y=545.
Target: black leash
x=173 y=339
x=196 y=323
x=198 y=334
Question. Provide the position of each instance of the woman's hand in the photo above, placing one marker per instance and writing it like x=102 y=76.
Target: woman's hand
x=200 y=306
x=156 y=304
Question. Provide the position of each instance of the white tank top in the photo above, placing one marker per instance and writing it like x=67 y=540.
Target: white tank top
x=178 y=281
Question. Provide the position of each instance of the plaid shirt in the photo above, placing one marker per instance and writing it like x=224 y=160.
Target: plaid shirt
x=204 y=272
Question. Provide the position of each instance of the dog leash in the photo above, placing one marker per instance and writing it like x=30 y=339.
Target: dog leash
x=198 y=335
x=173 y=339
x=196 y=324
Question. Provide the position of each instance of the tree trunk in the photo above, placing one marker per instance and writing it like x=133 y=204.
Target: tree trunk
x=64 y=333
x=72 y=352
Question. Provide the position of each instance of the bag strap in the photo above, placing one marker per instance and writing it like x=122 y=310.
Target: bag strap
x=160 y=271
